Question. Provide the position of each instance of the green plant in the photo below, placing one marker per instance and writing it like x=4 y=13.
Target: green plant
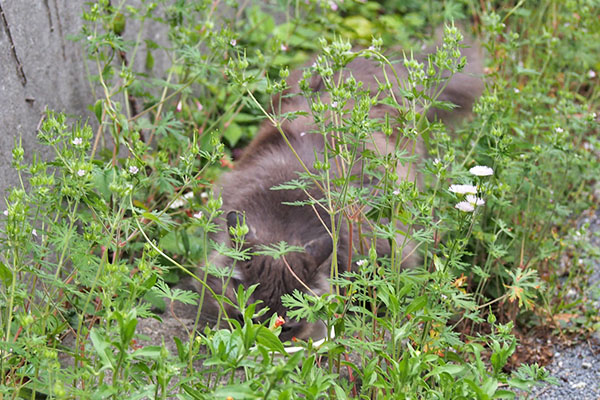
x=95 y=232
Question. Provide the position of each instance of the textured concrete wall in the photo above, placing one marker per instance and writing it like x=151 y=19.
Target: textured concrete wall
x=39 y=68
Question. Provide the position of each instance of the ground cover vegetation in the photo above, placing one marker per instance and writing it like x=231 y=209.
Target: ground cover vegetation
x=96 y=232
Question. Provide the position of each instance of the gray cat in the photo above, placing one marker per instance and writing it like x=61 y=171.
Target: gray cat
x=268 y=161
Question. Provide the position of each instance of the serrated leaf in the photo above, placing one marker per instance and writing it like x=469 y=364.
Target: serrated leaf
x=162 y=220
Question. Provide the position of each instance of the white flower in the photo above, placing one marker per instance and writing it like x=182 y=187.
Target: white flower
x=334 y=104
x=133 y=169
x=283 y=47
x=481 y=170
x=81 y=172
x=302 y=133
x=594 y=115
x=5 y=212
x=179 y=106
x=333 y=5
x=233 y=42
x=465 y=206
x=558 y=129
x=90 y=37
x=474 y=200
x=463 y=189
x=371 y=48
x=396 y=192
x=516 y=90
x=204 y=195
x=34 y=232
x=199 y=106
x=198 y=215
x=437 y=161
x=180 y=202
x=77 y=141
x=591 y=74
x=362 y=263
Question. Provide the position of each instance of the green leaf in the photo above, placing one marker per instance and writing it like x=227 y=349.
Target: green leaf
x=162 y=220
x=360 y=25
x=233 y=133
x=416 y=305
x=128 y=330
x=504 y=394
x=241 y=391
x=149 y=61
x=101 y=346
x=181 y=350
x=268 y=339
x=98 y=110
x=150 y=352
x=278 y=250
x=5 y=274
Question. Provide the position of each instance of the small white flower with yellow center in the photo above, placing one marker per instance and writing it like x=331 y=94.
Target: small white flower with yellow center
x=471 y=201
x=476 y=201
x=77 y=141
x=463 y=189
x=465 y=206
x=481 y=170
x=81 y=172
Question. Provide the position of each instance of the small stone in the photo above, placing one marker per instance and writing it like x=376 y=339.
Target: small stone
x=586 y=365
x=579 y=385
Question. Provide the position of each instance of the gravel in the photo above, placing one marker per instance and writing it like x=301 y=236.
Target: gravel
x=578 y=367
x=578 y=370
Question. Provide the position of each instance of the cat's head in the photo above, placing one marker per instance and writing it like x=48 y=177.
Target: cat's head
x=305 y=269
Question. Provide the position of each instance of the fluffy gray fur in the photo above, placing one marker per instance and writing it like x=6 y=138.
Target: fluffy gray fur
x=268 y=161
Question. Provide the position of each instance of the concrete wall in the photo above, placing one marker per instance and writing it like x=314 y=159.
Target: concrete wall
x=39 y=68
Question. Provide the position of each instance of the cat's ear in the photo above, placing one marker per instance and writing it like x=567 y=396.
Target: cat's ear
x=235 y=218
x=319 y=249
